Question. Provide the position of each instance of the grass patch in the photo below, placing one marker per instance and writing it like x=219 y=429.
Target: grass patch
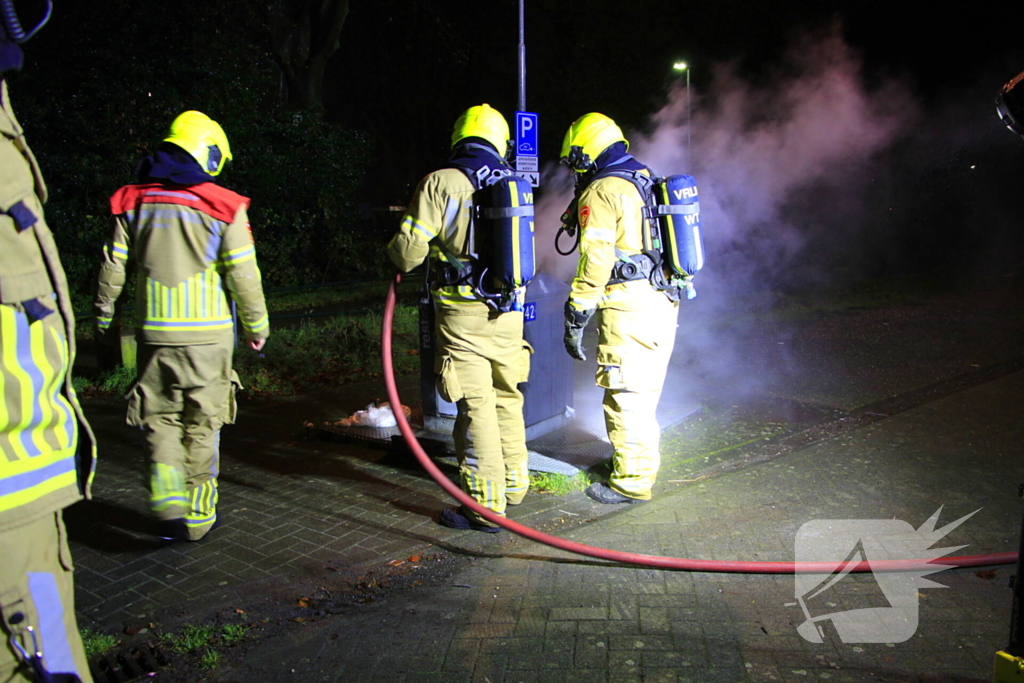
x=96 y=643
x=232 y=634
x=558 y=484
x=114 y=382
x=348 y=294
x=205 y=640
x=210 y=659
x=189 y=638
x=327 y=353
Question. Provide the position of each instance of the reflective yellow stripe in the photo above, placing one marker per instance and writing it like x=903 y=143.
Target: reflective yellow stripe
x=258 y=326
x=198 y=303
x=489 y=493
x=202 y=504
x=461 y=294
x=38 y=430
x=61 y=460
x=167 y=488
x=517 y=263
x=240 y=255
x=416 y=225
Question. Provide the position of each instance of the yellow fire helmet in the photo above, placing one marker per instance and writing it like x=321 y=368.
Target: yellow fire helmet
x=484 y=122
x=203 y=138
x=587 y=137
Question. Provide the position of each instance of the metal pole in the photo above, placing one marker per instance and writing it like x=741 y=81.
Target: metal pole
x=688 y=119
x=522 y=57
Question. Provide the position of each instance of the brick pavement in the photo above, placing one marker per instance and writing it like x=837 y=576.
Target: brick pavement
x=294 y=506
x=512 y=620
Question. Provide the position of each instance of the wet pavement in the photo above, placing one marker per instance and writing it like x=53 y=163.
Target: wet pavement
x=328 y=551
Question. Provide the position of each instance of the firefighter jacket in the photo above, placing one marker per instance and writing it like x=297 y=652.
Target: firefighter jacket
x=47 y=448
x=611 y=225
x=193 y=249
x=439 y=210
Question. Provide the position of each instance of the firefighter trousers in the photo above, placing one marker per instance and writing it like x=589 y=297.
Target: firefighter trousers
x=633 y=352
x=36 y=589
x=184 y=394
x=482 y=358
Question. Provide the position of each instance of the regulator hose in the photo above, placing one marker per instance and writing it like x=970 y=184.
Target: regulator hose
x=732 y=567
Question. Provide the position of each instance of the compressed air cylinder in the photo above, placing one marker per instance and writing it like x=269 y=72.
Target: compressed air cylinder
x=505 y=229
x=679 y=219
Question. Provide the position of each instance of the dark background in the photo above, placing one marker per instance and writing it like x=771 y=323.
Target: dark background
x=103 y=80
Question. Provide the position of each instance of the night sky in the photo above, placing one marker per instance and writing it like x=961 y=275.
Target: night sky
x=820 y=129
x=405 y=69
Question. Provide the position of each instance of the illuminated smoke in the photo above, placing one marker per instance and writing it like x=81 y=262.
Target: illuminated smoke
x=784 y=169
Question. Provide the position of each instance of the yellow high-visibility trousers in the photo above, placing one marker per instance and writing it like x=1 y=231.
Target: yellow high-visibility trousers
x=184 y=395
x=633 y=352
x=481 y=359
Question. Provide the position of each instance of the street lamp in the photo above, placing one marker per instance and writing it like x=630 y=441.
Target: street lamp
x=683 y=66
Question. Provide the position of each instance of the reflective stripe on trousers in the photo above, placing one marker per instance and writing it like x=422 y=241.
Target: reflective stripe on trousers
x=36 y=589
x=482 y=360
x=632 y=358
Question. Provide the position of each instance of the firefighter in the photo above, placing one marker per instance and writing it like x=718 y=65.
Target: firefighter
x=637 y=322
x=191 y=241
x=46 y=446
x=481 y=355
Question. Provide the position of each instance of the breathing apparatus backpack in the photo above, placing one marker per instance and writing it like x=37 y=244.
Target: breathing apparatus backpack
x=673 y=249
x=501 y=247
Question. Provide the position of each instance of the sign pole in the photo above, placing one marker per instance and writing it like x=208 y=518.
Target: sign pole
x=522 y=57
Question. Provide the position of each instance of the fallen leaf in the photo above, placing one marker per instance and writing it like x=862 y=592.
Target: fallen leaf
x=986 y=574
x=415 y=558
x=304 y=602
x=395 y=563
x=239 y=611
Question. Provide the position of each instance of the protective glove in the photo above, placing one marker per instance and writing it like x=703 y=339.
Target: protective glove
x=575 y=322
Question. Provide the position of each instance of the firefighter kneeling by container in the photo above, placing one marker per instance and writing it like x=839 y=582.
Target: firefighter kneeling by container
x=473 y=222
x=191 y=241
x=639 y=247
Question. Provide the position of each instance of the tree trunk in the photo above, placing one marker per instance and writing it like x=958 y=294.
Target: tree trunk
x=305 y=34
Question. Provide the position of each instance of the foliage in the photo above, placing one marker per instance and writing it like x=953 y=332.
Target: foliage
x=96 y=643
x=558 y=484
x=336 y=295
x=114 y=382
x=205 y=639
x=326 y=353
x=189 y=638
x=210 y=659
x=100 y=88
x=232 y=634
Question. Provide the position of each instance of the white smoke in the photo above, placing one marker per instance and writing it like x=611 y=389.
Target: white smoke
x=782 y=166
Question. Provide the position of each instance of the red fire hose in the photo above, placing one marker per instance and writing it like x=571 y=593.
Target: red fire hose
x=635 y=558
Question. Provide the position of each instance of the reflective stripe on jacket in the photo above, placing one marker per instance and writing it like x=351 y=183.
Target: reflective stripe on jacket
x=195 y=254
x=440 y=208
x=46 y=446
x=611 y=224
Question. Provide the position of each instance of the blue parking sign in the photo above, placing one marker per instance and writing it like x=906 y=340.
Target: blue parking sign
x=526 y=134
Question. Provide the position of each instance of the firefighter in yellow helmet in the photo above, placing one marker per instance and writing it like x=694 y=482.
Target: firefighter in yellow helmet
x=195 y=254
x=481 y=355
x=637 y=322
x=46 y=446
